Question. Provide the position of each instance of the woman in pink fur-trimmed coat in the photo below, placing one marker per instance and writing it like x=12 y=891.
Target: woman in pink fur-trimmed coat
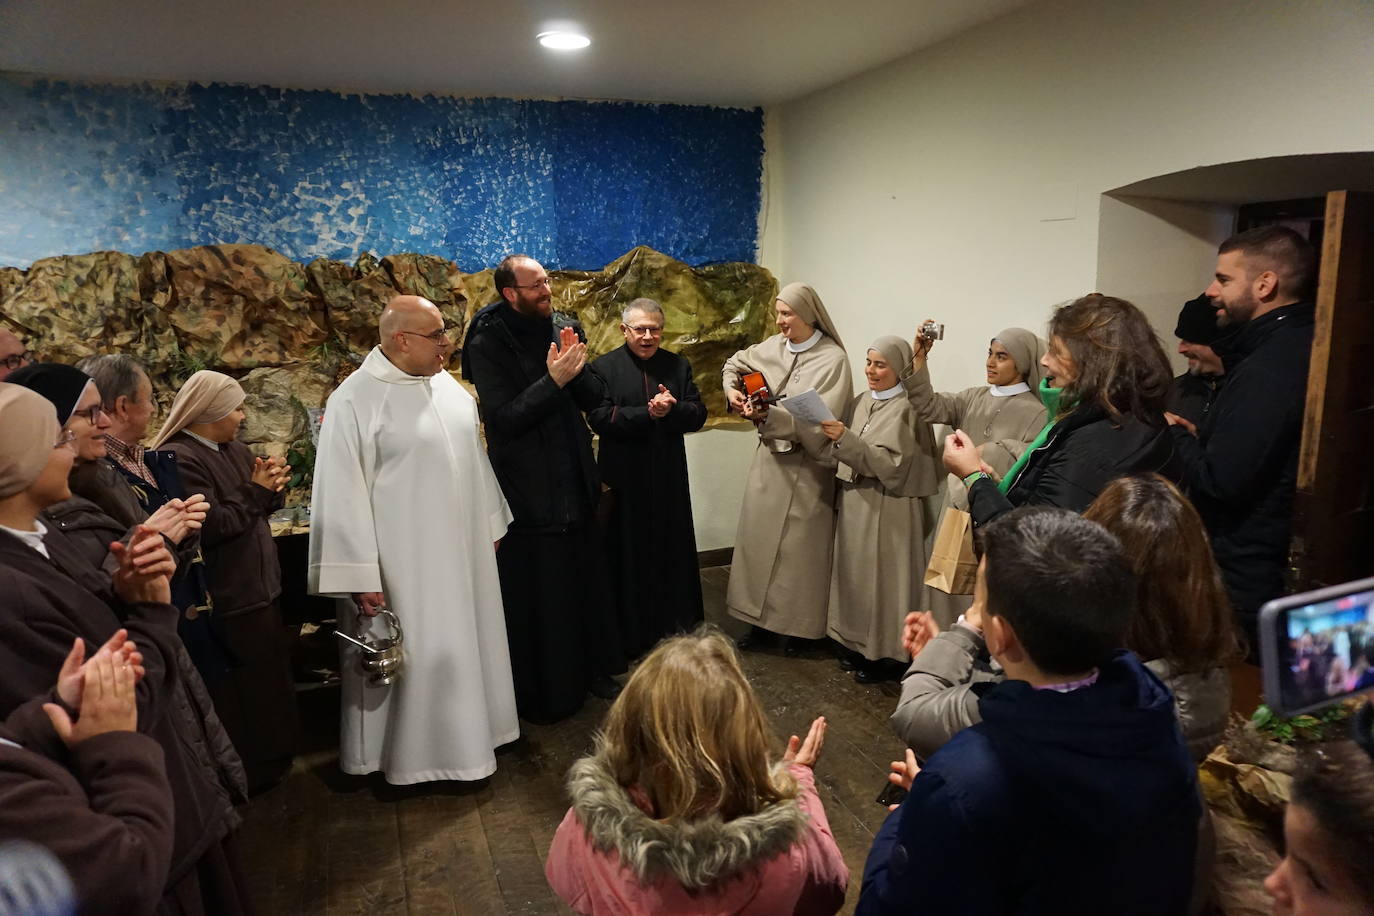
x=656 y=828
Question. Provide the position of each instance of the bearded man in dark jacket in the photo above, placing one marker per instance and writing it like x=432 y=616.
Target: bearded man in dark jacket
x=1240 y=466
x=533 y=385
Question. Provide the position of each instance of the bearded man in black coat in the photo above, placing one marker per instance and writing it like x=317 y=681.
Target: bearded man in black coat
x=650 y=403
x=1240 y=465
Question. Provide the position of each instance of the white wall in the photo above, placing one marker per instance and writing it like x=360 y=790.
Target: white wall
x=1164 y=252
x=964 y=182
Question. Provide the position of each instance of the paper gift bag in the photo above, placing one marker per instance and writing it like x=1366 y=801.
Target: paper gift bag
x=953 y=567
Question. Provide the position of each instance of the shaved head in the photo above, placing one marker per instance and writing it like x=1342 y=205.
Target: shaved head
x=413 y=337
x=408 y=313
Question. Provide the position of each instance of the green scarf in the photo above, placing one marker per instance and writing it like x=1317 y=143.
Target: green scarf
x=1050 y=398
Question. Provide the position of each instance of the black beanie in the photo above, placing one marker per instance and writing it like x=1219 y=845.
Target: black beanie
x=63 y=385
x=1197 y=322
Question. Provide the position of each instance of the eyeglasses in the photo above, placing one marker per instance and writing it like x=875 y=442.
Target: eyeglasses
x=66 y=436
x=17 y=360
x=91 y=414
x=439 y=338
x=647 y=330
x=537 y=284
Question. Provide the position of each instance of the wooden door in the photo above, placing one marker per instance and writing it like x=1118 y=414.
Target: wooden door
x=1333 y=534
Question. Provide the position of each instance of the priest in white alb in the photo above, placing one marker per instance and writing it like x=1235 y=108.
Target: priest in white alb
x=406 y=515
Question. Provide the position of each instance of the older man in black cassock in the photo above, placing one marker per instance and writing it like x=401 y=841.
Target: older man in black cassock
x=650 y=403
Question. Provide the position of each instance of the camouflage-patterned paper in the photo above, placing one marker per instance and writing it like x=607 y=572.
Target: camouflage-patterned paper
x=291 y=332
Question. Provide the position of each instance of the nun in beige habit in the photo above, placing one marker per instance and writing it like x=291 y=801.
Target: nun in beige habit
x=780 y=574
x=885 y=462
x=1002 y=417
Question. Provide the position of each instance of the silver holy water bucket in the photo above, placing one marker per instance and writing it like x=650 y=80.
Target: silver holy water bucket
x=381 y=660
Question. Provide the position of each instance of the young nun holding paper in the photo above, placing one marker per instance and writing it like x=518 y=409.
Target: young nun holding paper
x=885 y=463
x=780 y=574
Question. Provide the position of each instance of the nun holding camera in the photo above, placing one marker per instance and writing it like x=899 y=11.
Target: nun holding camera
x=1002 y=418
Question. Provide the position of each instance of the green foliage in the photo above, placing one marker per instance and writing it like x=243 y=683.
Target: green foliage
x=1301 y=729
x=301 y=457
x=185 y=363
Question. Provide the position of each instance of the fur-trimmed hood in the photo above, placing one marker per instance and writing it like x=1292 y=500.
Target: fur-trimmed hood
x=697 y=853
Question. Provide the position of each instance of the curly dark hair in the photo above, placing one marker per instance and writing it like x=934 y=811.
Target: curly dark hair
x=1119 y=364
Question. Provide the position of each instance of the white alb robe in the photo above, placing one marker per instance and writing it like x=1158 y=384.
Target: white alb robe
x=405 y=502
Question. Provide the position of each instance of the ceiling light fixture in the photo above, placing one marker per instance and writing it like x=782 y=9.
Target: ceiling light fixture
x=561 y=40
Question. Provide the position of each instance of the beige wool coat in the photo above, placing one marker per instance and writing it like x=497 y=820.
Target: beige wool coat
x=886 y=464
x=780 y=574
x=1003 y=427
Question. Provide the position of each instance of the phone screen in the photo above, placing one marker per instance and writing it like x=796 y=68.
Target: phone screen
x=1318 y=652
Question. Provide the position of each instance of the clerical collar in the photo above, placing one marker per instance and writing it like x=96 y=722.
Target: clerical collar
x=33 y=538
x=888 y=394
x=201 y=439
x=807 y=344
x=1006 y=391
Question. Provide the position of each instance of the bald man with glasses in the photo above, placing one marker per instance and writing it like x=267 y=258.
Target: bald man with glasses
x=406 y=515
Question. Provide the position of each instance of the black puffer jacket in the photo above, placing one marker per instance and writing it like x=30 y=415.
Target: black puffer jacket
x=537 y=440
x=1084 y=452
x=1242 y=468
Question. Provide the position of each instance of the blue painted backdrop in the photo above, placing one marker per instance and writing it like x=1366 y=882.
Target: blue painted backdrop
x=323 y=174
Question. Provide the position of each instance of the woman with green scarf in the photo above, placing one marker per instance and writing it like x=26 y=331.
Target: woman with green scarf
x=1106 y=380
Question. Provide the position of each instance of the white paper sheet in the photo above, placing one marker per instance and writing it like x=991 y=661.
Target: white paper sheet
x=807 y=407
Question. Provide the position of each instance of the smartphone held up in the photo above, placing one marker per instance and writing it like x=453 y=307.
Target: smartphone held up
x=1317 y=648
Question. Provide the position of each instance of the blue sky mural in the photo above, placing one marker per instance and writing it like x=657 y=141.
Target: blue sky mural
x=325 y=174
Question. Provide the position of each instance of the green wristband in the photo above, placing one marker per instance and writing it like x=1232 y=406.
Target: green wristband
x=971 y=479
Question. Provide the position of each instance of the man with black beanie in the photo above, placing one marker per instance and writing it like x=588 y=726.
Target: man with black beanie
x=1192 y=393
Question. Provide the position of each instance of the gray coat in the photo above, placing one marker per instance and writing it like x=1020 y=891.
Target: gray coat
x=941 y=690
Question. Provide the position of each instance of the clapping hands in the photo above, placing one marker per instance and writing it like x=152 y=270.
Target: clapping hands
x=145 y=567
x=566 y=357
x=661 y=403
x=271 y=473
x=807 y=752
x=100 y=690
x=962 y=457
x=179 y=517
x=918 y=629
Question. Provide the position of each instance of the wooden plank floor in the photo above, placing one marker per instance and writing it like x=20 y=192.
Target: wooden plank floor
x=325 y=844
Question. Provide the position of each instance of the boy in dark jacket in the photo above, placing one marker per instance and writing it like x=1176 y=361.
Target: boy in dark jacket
x=1075 y=794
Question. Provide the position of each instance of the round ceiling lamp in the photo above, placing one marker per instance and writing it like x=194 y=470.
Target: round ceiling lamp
x=563 y=40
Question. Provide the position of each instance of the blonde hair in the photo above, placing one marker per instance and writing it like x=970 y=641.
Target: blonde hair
x=688 y=730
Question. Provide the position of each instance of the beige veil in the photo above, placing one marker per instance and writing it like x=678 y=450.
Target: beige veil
x=803 y=300
x=206 y=397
